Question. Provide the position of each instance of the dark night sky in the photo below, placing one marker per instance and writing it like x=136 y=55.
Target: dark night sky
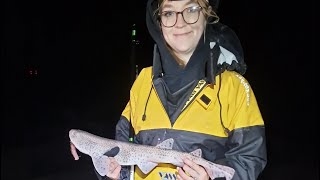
x=75 y=46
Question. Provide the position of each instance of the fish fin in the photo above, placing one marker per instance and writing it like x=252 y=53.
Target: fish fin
x=166 y=144
x=101 y=164
x=146 y=167
x=112 y=152
x=197 y=152
x=219 y=171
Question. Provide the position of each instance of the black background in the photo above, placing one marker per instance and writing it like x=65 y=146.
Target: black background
x=81 y=51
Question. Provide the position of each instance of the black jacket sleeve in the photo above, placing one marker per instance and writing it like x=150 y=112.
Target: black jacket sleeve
x=247 y=152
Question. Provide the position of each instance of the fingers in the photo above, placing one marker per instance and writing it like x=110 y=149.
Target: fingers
x=182 y=175
x=191 y=170
x=73 y=150
x=192 y=167
x=114 y=169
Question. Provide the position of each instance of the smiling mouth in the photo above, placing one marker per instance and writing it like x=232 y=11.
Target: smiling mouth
x=182 y=34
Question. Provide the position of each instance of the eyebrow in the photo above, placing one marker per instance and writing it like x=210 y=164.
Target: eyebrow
x=170 y=5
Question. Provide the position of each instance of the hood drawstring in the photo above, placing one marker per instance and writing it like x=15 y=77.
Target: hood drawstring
x=211 y=71
x=144 y=116
x=155 y=69
x=226 y=130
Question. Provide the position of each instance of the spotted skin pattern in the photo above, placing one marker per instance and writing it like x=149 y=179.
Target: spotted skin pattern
x=144 y=156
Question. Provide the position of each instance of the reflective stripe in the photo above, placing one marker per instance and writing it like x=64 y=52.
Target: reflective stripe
x=195 y=92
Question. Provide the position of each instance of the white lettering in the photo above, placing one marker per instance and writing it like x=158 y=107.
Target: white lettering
x=246 y=86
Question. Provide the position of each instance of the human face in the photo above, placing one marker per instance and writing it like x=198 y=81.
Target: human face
x=182 y=37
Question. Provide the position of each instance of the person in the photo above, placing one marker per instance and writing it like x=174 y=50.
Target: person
x=195 y=93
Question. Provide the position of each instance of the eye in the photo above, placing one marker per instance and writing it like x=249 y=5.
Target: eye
x=168 y=13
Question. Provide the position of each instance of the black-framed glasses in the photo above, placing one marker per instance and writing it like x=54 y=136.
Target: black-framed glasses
x=190 y=15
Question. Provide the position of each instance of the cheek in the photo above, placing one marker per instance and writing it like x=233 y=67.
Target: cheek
x=166 y=34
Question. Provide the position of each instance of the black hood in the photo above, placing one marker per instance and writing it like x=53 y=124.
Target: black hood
x=202 y=58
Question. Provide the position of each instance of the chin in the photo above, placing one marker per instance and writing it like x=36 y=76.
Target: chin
x=182 y=47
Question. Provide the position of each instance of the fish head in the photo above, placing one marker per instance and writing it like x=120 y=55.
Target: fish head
x=75 y=136
x=93 y=145
x=81 y=140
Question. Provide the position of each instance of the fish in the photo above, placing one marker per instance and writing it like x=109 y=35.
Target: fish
x=146 y=157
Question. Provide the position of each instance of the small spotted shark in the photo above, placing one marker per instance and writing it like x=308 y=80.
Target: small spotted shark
x=146 y=157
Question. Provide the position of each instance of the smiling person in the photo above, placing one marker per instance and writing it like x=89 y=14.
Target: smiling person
x=195 y=93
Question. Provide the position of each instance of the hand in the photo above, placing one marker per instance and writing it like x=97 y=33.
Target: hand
x=191 y=171
x=73 y=150
x=114 y=169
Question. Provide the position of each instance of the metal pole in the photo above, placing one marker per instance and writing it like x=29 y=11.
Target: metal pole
x=134 y=74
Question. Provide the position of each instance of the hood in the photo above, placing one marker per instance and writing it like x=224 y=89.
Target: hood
x=207 y=60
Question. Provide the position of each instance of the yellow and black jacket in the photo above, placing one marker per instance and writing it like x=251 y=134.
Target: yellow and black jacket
x=199 y=123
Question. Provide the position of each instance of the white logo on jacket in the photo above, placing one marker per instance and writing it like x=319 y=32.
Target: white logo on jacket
x=246 y=86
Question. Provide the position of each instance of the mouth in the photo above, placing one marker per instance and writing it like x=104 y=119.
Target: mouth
x=181 y=34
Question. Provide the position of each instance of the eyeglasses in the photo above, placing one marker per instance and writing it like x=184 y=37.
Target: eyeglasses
x=190 y=15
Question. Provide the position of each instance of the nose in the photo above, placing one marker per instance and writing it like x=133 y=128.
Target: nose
x=180 y=20
x=72 y=133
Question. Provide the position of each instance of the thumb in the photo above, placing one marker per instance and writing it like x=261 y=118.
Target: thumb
x=73 y=150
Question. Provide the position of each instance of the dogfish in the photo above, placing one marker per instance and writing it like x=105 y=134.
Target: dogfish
x=146 y=157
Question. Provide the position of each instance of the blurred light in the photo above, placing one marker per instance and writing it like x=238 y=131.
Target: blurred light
x=32 y=72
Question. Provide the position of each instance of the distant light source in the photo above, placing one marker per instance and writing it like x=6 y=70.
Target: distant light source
x=32 y=72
